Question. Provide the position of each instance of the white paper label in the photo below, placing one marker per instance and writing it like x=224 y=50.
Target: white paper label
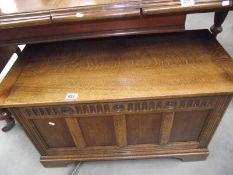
x=71 y=96
x=79 y=15
x=51 y=123
x=187 y=3
x=225 y=3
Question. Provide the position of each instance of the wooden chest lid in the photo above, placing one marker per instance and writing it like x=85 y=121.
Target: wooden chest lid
x=139 y=67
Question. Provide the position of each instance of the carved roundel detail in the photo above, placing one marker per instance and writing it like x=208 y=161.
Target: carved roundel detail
x=118 y=108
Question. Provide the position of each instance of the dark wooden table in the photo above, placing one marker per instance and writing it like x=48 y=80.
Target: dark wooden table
x=57 y=20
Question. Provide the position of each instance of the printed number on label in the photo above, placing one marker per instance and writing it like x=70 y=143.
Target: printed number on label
x=71 y=96
x=225 y=3
x=187 y=3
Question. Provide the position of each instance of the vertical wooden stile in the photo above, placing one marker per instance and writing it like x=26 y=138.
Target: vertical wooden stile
x=120 y=130
x=215 y=117
x=76 y=132
x=166 y=127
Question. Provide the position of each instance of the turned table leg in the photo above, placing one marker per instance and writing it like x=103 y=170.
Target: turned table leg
x=219 y=18
x=10 y=122
x=5 y=55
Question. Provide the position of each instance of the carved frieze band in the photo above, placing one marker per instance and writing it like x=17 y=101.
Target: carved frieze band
x=121 y=107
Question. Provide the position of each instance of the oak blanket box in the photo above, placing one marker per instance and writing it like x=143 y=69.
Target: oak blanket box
x=121 y=98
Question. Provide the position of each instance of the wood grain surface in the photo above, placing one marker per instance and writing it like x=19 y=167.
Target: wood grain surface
x=19 y=13
x=98 y=131
x=138 y=134
x=188 y=125
x=92 y=29
x=123 y=68
x=166 y=127
x=59 y=134
x=120 y=130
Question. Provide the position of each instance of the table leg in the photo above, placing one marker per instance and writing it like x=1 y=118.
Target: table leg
x=5 y=55
x=219 y=18
x=10 y=122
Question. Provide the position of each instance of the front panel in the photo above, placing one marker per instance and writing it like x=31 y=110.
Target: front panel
x=143 y=128
x=187 y=125
x=98 y=131
x=55 y=132
x=121 y=128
